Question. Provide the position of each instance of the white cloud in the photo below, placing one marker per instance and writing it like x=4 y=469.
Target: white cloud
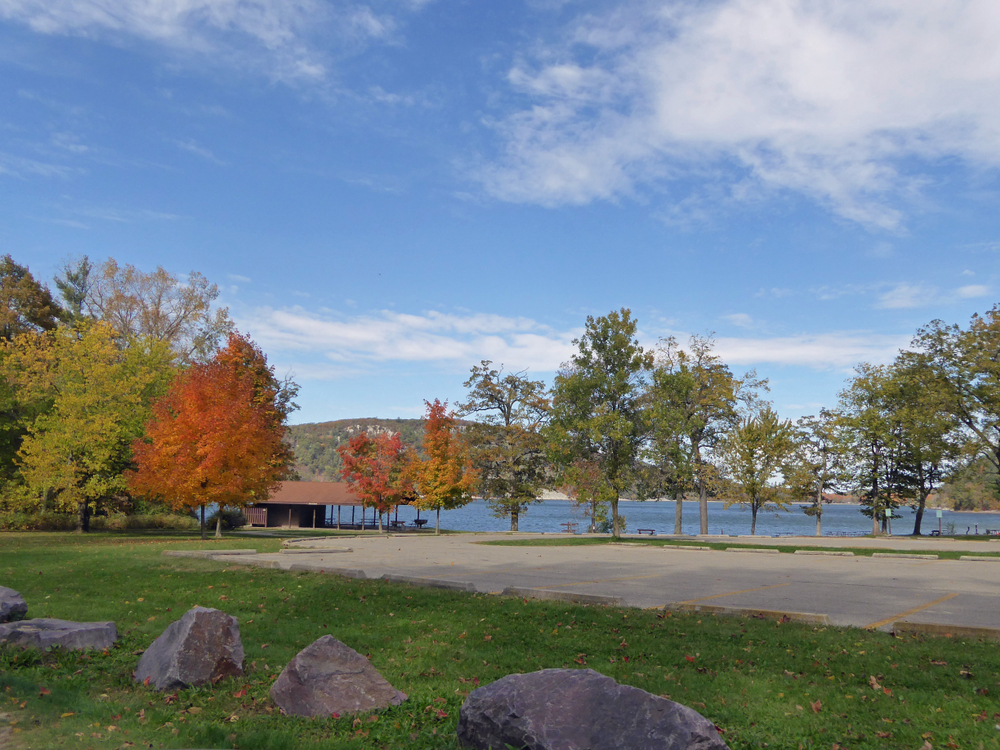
x=329 y=347
x=739 y=319
x=193 y=147
x=387 y=336
x=820 y=351
x=276 y=36
x=906 y=295
x=820 y=97
x=973 y=290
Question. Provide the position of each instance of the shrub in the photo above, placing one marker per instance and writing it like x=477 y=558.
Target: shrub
x=232 y=518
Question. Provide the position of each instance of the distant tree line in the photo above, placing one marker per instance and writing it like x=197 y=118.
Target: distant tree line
x=676 y=422
x=131 y=391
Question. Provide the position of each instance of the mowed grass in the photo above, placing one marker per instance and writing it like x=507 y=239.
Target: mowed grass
x=765 y=684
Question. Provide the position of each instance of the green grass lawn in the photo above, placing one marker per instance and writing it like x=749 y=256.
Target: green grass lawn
x=763 y=683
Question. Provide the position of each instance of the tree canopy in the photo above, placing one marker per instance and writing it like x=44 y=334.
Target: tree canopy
x=217 y=435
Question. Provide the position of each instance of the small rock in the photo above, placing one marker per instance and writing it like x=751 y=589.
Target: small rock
x=12 y=605
x=328 y=677
x=558 y=709
x=44 y=633
x=203 y=646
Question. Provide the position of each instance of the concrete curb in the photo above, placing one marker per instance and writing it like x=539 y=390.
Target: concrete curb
x=831 y=553
x=806 y=618
x=687 y=546
x=904 y=556
x=239 y=560
x=979 y=559
x=754 y=550
x=314 y=550
x=434 y=583
x=959 y=631
x=342 y=572
x=206 y=553
x=563 y=596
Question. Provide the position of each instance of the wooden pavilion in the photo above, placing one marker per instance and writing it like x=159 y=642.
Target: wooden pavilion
x=311 y=505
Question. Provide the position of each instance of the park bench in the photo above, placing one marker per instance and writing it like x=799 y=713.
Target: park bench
x=646 y=531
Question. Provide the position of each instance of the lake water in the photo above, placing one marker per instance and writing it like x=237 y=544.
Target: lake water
x=547 y=516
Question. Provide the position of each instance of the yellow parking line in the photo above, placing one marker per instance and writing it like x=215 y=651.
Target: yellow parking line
x=907 y=613
x=734 y=593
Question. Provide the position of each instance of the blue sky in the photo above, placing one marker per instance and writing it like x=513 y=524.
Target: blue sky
x=389 y=192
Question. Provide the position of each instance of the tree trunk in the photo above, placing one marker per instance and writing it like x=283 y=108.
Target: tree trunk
x=703 y=506
x=82 y=523
x=218 y=524
x=753 y=519
x=203 y=521
x=819 y=510
x=437 y=523
x=678 y=513
x=379 y=521
x=616 y=531
x=920 y=514
x=513 y=520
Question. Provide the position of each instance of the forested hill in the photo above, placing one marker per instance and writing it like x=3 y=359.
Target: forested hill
x=315 y=445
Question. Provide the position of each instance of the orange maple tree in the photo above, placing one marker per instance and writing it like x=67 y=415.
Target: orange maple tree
x=217 y=435
x=445 y=478
x=376 y=469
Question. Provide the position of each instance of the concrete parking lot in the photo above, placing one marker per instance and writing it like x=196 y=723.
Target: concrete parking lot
x=873 y=592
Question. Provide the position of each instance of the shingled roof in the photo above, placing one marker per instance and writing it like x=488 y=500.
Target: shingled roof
x=313 y=493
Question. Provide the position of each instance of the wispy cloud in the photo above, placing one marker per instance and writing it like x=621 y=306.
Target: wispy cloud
x=389 y=336
x=329 y=346
x=193 y=147
x=277 y=37
x=825 y=99
x=740 y=319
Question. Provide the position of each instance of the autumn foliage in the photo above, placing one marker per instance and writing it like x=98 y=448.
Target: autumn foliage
x=444 y=478
x=217 y=435
x=377 y=470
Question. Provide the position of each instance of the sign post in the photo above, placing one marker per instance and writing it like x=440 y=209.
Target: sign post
x=940 y=514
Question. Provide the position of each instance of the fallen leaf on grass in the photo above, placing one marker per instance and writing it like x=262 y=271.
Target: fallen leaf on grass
x=43 y=691
x=874 y=683
x=689 y=658
x=816 y=706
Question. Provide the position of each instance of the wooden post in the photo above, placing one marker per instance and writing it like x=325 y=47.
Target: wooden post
x=338 y=518
x=314 y=517
x=289 y=516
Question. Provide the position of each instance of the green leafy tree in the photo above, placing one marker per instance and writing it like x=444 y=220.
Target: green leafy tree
x=693 y=402
x=444 y=477
x=813 y=467
x=597 y=414
x=506 y=444
x=869 y=438
x=74 y=453
x=965 y=376
x=752 y=456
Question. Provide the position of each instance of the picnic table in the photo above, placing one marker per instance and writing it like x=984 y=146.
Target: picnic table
x=419 y=522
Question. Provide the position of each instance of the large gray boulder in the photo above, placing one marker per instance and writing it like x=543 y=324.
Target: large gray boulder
x=203 y=646
x=12 y=605
x=328 y=677
x=45 y=633
x=565 y=709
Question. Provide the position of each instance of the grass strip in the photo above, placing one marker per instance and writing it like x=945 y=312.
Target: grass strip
x=764 y=683
x=723 y=546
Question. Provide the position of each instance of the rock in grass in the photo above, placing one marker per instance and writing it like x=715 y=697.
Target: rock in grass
x=328 y=677
x=45 y=633
x=12 y=605
x=203 y=646
x=559 y=709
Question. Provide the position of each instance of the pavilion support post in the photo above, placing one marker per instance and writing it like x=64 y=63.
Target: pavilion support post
x=338 y=518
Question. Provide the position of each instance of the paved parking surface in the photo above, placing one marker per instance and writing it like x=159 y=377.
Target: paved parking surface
x=856 y=591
